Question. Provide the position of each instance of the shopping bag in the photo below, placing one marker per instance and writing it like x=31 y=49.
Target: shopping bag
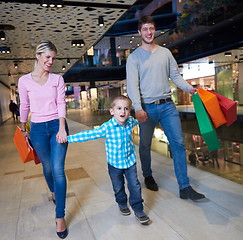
x=228 y=107
x=205 y=125
x=211 y=104
x=26 y=151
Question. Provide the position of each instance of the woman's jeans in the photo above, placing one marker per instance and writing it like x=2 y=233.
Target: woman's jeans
x=52 y=156
x=134 y=187
x=169 y=119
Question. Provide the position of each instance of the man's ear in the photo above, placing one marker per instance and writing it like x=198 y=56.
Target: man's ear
x=139 y=32
x=111 y=111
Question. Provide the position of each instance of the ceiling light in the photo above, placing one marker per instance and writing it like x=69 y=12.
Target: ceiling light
x=78 y=43
x=68 y=61
x=15 y=65
x=5 y=50
x=227 y=54
x=63 y=67
x=90 y=52
x=2 y=35
x=51 y=3
x=101 y=21
x=9 y=74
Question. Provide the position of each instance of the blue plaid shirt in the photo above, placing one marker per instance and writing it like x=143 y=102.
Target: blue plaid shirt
x=120 y=149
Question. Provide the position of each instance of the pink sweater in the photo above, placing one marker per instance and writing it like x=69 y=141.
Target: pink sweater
x=44 y=103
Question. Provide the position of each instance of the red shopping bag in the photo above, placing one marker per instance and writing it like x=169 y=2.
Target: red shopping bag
x=26 y=152
x=211 y=104
x=228 y=107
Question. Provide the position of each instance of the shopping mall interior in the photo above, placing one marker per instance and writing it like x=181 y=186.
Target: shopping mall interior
x=94 y=40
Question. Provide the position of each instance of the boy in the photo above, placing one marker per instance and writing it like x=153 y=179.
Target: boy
x=121 y=155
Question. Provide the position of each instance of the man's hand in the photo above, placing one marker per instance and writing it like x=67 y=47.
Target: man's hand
x=193 y=90
x=141 y=116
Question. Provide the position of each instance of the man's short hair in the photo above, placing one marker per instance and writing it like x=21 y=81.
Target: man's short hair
x=145 y=19
x=120 y=97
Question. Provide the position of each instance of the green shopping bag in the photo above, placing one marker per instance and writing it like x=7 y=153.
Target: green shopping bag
x=205 y=125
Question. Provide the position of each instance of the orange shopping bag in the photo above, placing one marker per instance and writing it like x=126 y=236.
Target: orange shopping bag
x=228 y=107
x=211 y=104
x=26 y=152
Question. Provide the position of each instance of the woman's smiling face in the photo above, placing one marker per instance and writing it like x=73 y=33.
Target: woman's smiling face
x=46 y=59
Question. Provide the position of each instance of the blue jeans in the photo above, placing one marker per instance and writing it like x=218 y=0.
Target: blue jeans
x=169 y=119
x=52 y=156
x=134 y=187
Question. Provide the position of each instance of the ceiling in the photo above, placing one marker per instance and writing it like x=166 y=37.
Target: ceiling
x=25 y=23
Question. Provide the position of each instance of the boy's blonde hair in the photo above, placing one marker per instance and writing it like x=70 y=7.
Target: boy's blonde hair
x=120 y=97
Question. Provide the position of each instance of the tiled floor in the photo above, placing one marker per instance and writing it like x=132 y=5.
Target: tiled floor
x=92 y=214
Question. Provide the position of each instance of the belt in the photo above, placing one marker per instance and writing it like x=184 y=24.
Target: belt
x=160 y=101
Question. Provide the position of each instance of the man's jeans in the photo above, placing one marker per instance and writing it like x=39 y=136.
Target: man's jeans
x=169 y=119
x=52 y=156
x=117 y=179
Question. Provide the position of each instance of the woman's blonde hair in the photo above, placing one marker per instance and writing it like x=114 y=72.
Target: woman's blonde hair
x=45 y=45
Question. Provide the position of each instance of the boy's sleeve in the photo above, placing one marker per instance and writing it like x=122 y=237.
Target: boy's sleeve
x=87 y=135
x=134 y=121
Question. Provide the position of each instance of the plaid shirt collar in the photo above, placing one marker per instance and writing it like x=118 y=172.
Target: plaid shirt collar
x=115 y=122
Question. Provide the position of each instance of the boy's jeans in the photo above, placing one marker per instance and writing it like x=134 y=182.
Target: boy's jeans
x=169 y=119
x=117 y=179
x=52 y=156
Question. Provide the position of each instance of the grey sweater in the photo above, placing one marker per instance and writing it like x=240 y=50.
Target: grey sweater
x=148 y=76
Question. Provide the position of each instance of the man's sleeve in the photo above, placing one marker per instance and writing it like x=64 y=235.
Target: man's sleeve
x=176 y=77
x=133 y=89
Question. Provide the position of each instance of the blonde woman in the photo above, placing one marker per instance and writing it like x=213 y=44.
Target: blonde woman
x=42 y=95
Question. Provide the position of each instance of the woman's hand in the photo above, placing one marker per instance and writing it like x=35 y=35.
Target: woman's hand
x=25 y=133
x=61 y=136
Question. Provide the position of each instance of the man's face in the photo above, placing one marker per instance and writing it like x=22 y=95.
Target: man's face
x=147 y=33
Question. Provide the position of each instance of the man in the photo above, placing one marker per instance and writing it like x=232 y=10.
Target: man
x=13 y=108
x=149 y=68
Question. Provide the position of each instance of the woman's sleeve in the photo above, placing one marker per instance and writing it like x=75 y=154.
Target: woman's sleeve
x=61 y=103
x=24 y=101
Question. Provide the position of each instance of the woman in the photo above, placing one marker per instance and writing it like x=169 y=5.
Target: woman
x=42 y=95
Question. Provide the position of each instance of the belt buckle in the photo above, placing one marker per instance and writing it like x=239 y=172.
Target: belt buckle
x=157 y=102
